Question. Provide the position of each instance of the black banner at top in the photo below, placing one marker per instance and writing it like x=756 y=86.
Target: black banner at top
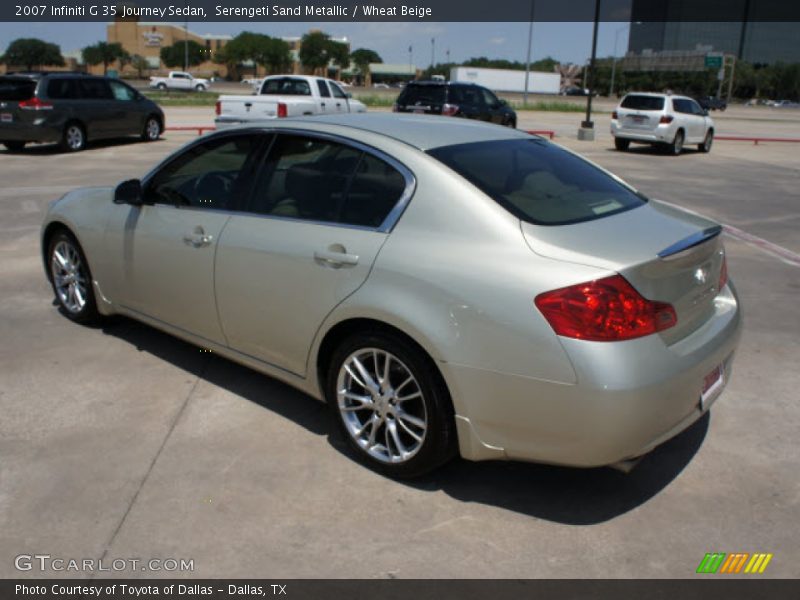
x=401 y=10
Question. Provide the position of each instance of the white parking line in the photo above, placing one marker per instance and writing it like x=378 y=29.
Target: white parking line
x=783 y=254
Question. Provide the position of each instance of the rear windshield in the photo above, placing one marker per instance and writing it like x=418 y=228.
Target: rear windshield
x=423 y=94
x=539 y=182
x=286 y=87
x=643 y=102
x=16 y=89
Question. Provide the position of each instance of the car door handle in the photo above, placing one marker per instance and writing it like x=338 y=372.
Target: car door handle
x=335 y=258
x=198 y=238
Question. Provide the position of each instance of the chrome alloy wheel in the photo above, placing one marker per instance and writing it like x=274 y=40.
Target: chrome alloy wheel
x=69 y=277
x=382 y=405
x=74 y=137
x=153 y=129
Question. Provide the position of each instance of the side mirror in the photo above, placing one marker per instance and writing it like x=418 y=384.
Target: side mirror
x=503 y=102
x=129 y=192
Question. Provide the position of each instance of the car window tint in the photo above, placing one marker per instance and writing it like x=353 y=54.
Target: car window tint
x=95 y=89
x=696 y=109
x=422 y=94
x=62 y=88
x=286 y=87
x=538 y=181
x=16 y=90
x=205 y=176
x=304 y=178
x=323 y=88
x=122 y=91
x=374 y=191
x=635 y=102
x=337 y=91
x=471 y=96
x=489 y=98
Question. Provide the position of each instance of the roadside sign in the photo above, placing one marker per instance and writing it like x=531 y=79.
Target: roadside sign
x=713 y=61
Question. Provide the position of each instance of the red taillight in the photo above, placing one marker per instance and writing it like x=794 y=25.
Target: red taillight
x=665 y=119
x=218 y=108
x=448 y=110
x=282 y=110
x=604 y=310
x=723 y=274
x=614 y=116
x=35 y=104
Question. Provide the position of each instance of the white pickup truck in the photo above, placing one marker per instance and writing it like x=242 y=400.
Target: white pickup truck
x=286 y=96
x=179 y=80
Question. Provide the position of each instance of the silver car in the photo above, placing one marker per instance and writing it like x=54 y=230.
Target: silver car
x=447 y=286
x=663 y=120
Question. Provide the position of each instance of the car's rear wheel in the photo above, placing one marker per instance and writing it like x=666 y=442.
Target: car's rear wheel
x=621 y=144
x=161 y=86
x=200 y=87
x=393 y=408
x=71 y=278
x=74 y=138
x=14 y=146
x=707 y=142
x=676 y=147
x=152 y=130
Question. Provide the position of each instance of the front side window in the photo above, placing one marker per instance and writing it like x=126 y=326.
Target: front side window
x=205 y=176
x=122 y=91
x=539 y=182
x=490 y=99
x=337 y=91
x=325 y=181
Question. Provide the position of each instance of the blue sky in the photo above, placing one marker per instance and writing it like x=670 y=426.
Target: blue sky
x=567 y=42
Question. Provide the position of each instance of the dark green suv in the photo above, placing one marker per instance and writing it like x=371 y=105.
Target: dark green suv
x=453 y=99
x=71 y=109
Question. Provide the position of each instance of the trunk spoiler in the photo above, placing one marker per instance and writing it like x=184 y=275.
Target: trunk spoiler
x=691 y=241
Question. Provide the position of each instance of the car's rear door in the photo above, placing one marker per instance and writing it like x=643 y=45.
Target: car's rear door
x=167 y=246
x=324 y=102
x=318 y=215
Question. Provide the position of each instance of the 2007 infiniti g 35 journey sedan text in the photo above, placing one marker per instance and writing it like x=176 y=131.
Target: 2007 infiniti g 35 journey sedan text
x=447 y=286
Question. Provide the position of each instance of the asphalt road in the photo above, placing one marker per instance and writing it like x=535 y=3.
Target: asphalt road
x=123 y=442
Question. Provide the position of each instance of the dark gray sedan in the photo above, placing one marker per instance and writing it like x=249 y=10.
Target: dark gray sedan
x=71 y=109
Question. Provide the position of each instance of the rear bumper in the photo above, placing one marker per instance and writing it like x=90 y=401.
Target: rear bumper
x=224 y=122
x=629 y=397
x=662 y=134
x=40 y=130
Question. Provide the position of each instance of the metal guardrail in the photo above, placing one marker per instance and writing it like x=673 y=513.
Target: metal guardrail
x=198 y=128
x=755 y=140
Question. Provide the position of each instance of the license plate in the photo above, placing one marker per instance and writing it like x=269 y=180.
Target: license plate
x=712 y=386
x=6 y=117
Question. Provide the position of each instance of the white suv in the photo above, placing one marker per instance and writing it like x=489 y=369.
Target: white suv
x=661 y=120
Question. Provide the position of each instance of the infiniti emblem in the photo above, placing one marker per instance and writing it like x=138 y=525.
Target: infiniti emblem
x=700 y=276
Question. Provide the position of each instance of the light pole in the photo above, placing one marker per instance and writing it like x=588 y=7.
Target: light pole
x=528 y=59
x=614 y=62
x=586 y=131
x=186 y=45
x=433 y=50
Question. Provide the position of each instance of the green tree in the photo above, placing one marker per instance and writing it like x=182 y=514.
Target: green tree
x=32 y=52
x=272 y=53
x=103 y=53
x=141 y=65
x=362 y=58
x=315 y=50
x=339 y=54
x=174 y=56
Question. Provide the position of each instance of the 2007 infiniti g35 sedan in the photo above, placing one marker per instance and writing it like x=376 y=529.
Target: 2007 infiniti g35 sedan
x=447 y=286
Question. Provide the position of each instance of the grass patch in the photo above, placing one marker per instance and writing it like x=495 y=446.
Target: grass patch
x=551 y=106
x=374 y=100
x=182 y=98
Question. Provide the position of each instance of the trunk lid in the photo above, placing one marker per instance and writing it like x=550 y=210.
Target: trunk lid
x=667 y=254
x=640 y=112
x=14 y=90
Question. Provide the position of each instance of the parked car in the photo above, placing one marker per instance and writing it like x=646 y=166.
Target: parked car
x=786 y=104
x=179 y=80
x=380 y=86
x=576 y=91
x=452 y=99
x=283 y=96
x=447 y=287
x=72 y=109
x=662 y=120
x=712 y=103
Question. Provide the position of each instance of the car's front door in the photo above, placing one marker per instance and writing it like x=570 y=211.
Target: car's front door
x=167 y=245
x=340 y=101
x=126 y=104
x=317 y=218
x=96 y=109
x=494 y=108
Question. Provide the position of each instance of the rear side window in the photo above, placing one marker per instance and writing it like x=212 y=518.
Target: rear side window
x=423 y=95
x=286 y=87
x=16 y=90
x=323 y=88
x=635 y=102
x=373 y=193
x=539 y=182
x=95 y=89
x=60 y=88
x=465 y=95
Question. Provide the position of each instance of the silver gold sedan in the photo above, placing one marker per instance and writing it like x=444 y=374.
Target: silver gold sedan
x=448 y=287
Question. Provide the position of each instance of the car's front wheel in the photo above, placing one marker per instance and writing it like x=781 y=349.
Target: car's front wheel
x=14 y=146
x=621 y=144
x=200 y=87
x=392 y=406
x=152 y=130
x=707 y=142
x=162 y=87
x=71 y=278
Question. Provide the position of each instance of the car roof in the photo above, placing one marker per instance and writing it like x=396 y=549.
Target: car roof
x=445 y=83
x=423 y=132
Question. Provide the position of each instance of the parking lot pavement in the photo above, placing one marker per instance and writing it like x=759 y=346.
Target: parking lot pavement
x=122 y=442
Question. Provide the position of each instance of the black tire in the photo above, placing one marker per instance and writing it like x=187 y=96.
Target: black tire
x=86 y=314
x=705 y=147
x=437 y=445
x=199 y=88
x=676 y=147
x=512 y=123
x=151 y=130
x=162 y=87
x=14 y=146
x=621 y=144
x=73 y=138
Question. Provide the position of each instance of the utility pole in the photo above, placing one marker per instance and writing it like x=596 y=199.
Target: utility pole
x=528 y=59
x=186 y=45
x=586 y=131
x=433 y=51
